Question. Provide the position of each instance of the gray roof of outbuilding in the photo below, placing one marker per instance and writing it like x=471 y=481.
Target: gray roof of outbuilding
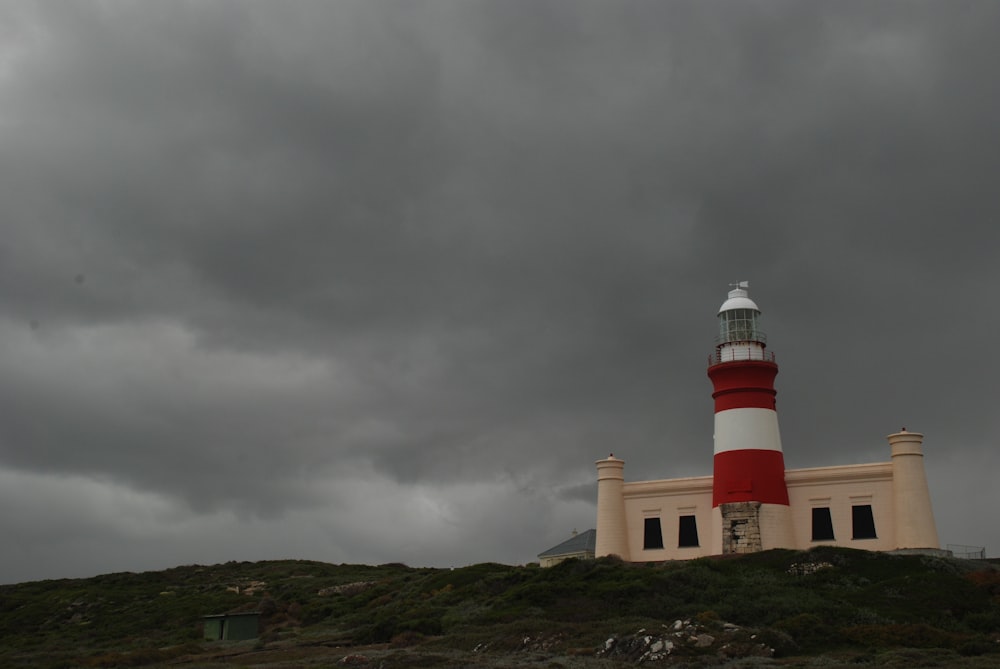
x=584 y=541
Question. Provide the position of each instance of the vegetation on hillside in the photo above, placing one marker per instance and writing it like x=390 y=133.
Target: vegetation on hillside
x=850 y=604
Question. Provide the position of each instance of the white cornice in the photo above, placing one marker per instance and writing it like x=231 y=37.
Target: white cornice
x=874 y=471
x=684 y=486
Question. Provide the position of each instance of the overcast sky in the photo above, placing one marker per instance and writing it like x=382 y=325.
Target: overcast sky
x=371 y=281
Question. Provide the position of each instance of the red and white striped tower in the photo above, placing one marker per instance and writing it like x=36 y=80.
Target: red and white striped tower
x=749 y=497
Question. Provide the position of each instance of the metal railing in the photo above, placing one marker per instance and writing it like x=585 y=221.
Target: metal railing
x=968 y=552
x=738 y=353
x=740 y=335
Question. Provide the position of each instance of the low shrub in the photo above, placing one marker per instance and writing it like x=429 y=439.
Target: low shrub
x=916 y=635
x=406 y=639
x=985 y=622
x=808 y=631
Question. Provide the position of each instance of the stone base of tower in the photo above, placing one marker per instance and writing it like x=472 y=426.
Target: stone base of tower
x=740 y=527
x=750 y=527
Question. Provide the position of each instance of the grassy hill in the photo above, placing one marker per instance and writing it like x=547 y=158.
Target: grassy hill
x=828 y=607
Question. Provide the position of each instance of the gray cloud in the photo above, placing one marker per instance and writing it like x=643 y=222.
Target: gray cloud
x=393 y=275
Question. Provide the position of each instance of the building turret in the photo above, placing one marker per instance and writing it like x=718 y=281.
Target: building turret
x=749 y=492
x=911 y=498
x=612 y=532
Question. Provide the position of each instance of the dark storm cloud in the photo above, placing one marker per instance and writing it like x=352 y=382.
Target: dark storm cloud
x=254 y=253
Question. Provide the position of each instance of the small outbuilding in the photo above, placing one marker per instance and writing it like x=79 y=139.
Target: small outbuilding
x=232 y=626
x=580 y=545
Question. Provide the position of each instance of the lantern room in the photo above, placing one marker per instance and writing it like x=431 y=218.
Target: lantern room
x=740 y=336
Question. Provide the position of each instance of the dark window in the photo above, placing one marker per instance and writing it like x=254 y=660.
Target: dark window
x=688 y=534
x=653 y=537
x=823 y=524
x=864 y=522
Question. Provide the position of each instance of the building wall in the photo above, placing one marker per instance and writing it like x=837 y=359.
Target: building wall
x=242 y=627
x=776 y=527
x=668 y=500
x=838 y=489
x=233 y=627
x=553 y=560
x=213 y=628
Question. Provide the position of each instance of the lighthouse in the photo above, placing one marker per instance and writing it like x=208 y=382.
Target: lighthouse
x=751 y=502
x=749 y=495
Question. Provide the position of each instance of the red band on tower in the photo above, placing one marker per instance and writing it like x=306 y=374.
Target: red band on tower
x=749 y=476
x=743 y=384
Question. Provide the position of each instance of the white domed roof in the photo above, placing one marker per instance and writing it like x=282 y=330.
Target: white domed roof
x=738 y=299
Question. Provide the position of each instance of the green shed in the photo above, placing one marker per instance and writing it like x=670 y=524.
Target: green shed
x=232 y=626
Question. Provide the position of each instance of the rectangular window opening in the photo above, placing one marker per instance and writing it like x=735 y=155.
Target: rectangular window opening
x=653 y=535
x=863 y=521
x=822 y=524
x=687 y=535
